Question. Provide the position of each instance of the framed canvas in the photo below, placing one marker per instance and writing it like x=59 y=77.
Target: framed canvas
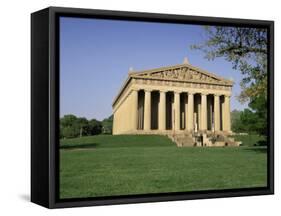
x=139 y=107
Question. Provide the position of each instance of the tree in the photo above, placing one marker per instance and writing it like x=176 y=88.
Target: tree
x=82 y=126
x=236 y=124
x=107 y=124
x=68 y=120
x=252 y=119
x=72 y=126
x=67 y=126
x=95 y=127
x=246 y=49
x=259 y=109
x=69 y=132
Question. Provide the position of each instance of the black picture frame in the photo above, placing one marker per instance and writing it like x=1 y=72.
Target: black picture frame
x=45 y=106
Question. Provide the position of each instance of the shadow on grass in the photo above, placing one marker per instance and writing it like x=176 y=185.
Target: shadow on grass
x=257 y=149
x=261 y=143
x=79 y=146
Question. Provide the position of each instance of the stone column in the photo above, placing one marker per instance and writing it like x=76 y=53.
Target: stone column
x=217 y=112
x=227 y=122
x=177 y=110
x=162 y=111
x=190 y=111
x=222 y=109
x=203 y=112
x=198 y=120
x=134 y=108
x=186 y=111
x=147 y=110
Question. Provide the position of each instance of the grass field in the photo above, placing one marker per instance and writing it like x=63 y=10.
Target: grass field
x=108 y=165
x=251 y=139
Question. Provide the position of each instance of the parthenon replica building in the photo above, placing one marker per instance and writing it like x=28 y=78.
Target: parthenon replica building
x=173 y=100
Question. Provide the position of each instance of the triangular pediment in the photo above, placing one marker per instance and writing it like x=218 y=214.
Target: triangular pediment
x=183 y=72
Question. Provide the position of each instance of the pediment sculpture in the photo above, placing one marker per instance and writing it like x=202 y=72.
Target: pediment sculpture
x=182 y=74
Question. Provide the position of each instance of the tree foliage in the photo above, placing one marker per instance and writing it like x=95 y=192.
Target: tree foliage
x=107 y=125
x=236 y=124
x=72 y=126
x=258 y=106
x=252 y=119
x=246 y=49
x=95 y=127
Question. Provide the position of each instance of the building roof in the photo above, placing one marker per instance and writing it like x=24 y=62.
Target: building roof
x=180 y=73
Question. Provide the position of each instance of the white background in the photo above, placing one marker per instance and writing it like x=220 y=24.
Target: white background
x=15 y=107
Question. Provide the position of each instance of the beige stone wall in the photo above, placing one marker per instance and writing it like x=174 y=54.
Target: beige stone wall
x=125 y=116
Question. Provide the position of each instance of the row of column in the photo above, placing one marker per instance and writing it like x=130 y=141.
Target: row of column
x=189 y=118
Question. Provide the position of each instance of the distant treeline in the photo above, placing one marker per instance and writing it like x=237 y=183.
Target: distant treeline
x=246 y=121
x=72 y=126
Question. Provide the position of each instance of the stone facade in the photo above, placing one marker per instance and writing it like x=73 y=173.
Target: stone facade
x=173 y=100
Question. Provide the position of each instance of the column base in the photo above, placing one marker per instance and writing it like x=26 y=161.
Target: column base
x=228 y=132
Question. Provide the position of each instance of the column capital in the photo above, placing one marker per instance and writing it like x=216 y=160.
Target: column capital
x=177 y=92
x=163 y=91
x=148 y=90
x=204 y=93
x=191 y=93
x=217 y=94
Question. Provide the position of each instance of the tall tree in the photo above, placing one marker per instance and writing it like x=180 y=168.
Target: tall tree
x=246 y=49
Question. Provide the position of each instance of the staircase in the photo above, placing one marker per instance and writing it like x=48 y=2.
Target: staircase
x=202 y=139
x=183 y=140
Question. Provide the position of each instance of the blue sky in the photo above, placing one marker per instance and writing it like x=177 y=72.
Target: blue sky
x=95 y=57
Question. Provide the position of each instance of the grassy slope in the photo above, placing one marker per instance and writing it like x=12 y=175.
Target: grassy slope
x=117 y=141
x=151 y=164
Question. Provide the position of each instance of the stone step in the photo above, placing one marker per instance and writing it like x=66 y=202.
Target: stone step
x=189 y=140
x=183 y=141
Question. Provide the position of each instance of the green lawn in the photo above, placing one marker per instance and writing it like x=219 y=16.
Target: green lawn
x=107 y=165
x=251 y=139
